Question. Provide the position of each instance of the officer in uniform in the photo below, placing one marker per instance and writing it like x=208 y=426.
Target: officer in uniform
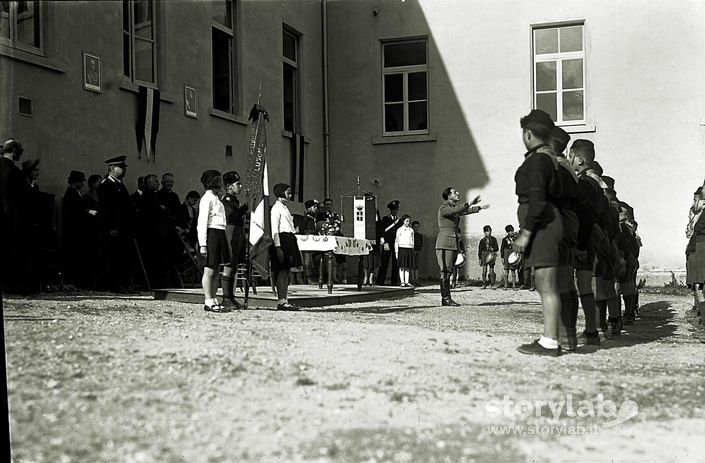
x=116 y=225
x=447 y=246
x=389 y=225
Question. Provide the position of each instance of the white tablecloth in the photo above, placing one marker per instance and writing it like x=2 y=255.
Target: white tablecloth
x=337 y=244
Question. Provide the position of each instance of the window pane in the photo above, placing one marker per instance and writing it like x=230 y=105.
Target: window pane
x=547 y=102
x=573 y=106
x=393 y=87
x=418 y=116
x=28 y=23
x=222 y=13
x=404 y=54
x=289 y=46
x=126 y=15
x=546 y=41
x=221 y=70
x=5 y=19
x=289 y=97
x=572 y=38
x=417 y=86
x=546 y=76
x=394 y=118
x=144 y=61
x=143 y=11
x=573 y=73
x=126 y=54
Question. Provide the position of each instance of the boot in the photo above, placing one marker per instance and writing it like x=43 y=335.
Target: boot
x=628 y=310
x=615 y=328
x=602 y=315
x=229 y=302
x=493 y=278
x=445 y=293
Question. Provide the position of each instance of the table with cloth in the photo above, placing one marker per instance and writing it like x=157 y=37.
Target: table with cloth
x=330 y=245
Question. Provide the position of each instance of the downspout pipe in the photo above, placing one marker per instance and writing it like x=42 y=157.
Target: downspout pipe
x=326 y=123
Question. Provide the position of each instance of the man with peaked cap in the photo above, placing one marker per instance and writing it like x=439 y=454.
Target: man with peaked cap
x=448 y=241
x=235 y=232
x=116 y=225
x=389 y=225
x=72 y=222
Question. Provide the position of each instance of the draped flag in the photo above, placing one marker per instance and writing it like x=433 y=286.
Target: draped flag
x=257 y=191
x=297 y=165
x=147 y=121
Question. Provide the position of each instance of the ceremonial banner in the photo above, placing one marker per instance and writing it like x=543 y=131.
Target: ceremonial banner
x=257 y=192
x=147 y=121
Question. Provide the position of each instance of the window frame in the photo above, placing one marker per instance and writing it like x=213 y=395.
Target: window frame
x=405 y=71
x=12 y=22
x=231 y=32
x=154 y=41
x=296 y=65
x=558 y=58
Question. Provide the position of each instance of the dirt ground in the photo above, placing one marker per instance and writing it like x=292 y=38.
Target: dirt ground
x=102 y=378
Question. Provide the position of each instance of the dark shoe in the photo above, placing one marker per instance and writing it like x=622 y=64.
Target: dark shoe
x=535 y=348
x=215 y=308
x=524 y=287
x=569 y=343
x=288 y=306
x=231 y=304
x=449 y=302
x=590 y=339
x=533 y=288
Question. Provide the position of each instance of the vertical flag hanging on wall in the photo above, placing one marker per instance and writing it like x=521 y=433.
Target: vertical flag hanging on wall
x=147 y=121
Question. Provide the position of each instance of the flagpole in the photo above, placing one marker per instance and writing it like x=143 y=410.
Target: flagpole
x=248 y=245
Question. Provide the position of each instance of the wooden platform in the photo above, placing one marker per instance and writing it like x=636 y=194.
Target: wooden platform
x=301 y=295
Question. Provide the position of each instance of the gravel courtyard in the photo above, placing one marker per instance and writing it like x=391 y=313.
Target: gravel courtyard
x=103 y=378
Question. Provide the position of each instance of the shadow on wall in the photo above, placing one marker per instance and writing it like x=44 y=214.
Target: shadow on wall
x=414 y=170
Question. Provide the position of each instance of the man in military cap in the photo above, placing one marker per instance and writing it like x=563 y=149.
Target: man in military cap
x=389 y=225
x=116 y=224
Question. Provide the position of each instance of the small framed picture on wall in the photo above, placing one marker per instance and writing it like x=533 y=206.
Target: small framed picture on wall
x=190 y=101
x=92 y=72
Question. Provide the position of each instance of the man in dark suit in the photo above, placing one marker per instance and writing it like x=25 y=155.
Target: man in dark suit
x=74 y=217
x=389 y=226
x=14 y=245
x=116 y=225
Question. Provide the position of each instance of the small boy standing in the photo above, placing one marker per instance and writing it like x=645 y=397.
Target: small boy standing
x=487 y=255
x=506 y=249
x=404 y=249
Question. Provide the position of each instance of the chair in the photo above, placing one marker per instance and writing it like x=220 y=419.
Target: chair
x=240 y=279
x=190 y=268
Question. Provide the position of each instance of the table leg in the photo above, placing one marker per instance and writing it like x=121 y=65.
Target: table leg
x=360 y=271
x=320 y=271
x=329 y=258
